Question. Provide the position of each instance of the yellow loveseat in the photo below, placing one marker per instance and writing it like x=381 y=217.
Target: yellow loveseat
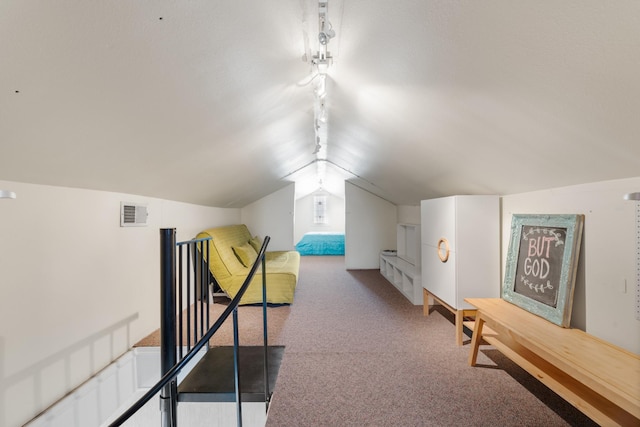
x=233 y=250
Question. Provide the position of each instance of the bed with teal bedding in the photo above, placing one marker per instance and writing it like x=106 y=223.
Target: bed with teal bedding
x=321 y=243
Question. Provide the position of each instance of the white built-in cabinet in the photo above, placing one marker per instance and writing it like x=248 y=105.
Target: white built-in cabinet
x=403 y=270
x=460 y=252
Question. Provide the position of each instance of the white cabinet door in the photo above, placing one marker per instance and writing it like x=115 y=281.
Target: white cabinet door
x=439 y=278
x=438 y=217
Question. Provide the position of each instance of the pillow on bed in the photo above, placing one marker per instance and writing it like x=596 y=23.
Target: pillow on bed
x=256 y=243
x=246 y=254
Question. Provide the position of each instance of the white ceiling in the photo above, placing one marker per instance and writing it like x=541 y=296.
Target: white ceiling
x=204 y=101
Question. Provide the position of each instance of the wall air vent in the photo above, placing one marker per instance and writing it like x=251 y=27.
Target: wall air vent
x=133 y=215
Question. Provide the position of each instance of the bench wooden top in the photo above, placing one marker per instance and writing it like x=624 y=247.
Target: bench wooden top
x=605 y=368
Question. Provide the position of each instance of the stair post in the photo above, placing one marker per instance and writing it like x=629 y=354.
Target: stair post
x=168 y=396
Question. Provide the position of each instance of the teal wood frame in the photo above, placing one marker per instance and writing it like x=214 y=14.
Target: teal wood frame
x=559 y=312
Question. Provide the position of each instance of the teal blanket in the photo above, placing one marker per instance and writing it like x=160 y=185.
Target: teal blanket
x=321 y=243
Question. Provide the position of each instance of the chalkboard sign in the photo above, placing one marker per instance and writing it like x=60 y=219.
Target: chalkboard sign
x=541 y=264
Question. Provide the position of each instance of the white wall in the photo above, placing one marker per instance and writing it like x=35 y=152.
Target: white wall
x=409 y=214
x=370 y=227
x=76 y=289
x=272 y=216
x=304 y=215
x=602 y=305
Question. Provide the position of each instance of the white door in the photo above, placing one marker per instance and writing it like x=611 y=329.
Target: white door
x=438 y=221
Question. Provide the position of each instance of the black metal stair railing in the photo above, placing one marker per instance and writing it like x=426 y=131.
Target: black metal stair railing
x=171 y=328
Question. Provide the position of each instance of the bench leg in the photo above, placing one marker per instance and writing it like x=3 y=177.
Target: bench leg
x=459 y=320
x=425 y=302
x=475 y=340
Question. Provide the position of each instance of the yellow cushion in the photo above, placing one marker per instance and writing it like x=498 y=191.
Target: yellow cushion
x=224 y=238
x=217 y=266
x=282 y=277
x=246 y=254
x=256 y=243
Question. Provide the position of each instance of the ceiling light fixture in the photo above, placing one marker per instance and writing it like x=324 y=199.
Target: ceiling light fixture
x=325 y=35
x=6 y=194
x=322 y=37
x=321 y=62
x=322 y=118
x=632 y=196
x=326 y=31
x=321 y=88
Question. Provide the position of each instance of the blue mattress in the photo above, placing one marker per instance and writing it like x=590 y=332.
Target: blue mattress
x=321 y=243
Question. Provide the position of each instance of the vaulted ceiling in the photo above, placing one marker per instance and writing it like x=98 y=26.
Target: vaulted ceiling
x=212 y=101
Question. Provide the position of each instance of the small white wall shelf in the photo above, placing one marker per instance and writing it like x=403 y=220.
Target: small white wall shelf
x=403 y=270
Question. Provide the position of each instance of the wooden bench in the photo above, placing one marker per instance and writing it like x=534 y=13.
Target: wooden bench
x=599 y=378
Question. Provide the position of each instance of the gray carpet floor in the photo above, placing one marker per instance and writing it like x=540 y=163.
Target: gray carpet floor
x=359 y=354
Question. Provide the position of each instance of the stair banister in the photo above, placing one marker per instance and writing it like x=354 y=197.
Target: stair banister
x=168 y=380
